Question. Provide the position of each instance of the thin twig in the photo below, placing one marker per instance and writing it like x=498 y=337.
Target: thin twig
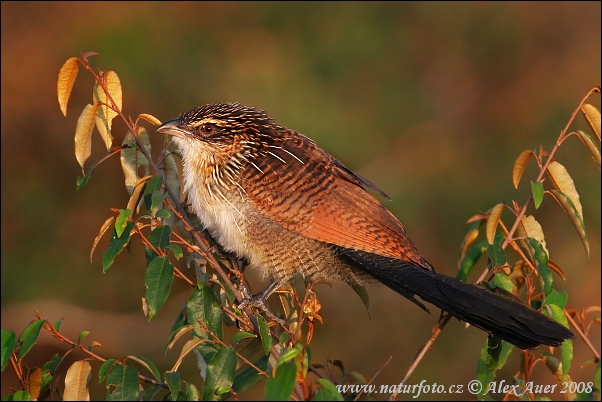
x=436 y=331
x=357 y=397
x=582 y=335
x=81 y=348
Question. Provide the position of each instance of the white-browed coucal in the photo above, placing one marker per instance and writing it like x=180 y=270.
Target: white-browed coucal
x=270 y=195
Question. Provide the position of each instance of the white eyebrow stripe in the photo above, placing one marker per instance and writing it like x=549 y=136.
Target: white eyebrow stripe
x=288 y=152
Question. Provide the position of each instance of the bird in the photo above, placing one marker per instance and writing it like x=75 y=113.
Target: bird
x=272 y=197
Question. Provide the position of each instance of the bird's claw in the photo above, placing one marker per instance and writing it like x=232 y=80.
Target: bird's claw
x=259 y=303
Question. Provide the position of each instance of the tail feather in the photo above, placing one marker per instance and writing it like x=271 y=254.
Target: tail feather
x=502 y=315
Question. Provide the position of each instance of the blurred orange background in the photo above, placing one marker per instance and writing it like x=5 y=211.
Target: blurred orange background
x=430 y=101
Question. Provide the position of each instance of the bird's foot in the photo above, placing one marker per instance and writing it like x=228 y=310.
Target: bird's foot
x=260 y=303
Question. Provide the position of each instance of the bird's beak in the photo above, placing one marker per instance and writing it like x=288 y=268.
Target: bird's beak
x=171 y=128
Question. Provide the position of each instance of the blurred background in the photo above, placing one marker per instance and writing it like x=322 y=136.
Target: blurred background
x=430 y=101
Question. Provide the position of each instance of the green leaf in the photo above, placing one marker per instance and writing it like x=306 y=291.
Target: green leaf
x=18 y=396
x=494 y=349
x=150 y=392
x=248 y=376
x=57 y=325
x=159 y=277
x=192 y=392
x=220 y=374
x=567 y=345
x=557 y=298
x=537 y=191
x=502 y=281
x=264 y=332
x=222 y=390
x=174 y=383
x=288 y=356
x=121 y=222
x=159 y=237
x=204 y=306
x=542 y=265
x=494 y=355
x=567 y=355
x=116 y=246
x=471 y=258
x=157 y=198
x=149 y=365
x=125 y=380
x=82 y=181
x=48 y=370
x=29 y=337
x=153 y=184
x=328 y=392
x=82 y=335
x=280 y=387
x=241 y=335
x=176 y=250
x=497 y=254
x=163 y=213
x=104 y=369
x=284 y=337
x=9 y=341
x=597 y=377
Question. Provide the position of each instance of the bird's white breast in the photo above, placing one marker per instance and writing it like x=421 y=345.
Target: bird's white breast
x=216 y=211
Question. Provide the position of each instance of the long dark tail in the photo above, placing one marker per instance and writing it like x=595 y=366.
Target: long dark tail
x=505 y=316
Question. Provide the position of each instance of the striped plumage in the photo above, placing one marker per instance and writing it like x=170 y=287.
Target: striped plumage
x=272 y=196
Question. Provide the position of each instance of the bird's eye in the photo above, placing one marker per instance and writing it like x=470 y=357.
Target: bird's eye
x=207 y=128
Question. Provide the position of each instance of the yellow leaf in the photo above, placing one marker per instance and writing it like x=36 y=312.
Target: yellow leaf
x=187 y=348
x=477 y=217
x=591 y=147
x=179 y=333
x=592 y=114
x=562 y=181
x=83 y=134
x=132 y=159
x=468 y=239
x=103 y=229
x=64 y=84
x=35 y=383
x=106 y=114
x=492 y=222
x=135 y=196
x=77 y=381
x=555 y=367
x=519 y=166
x=573 y=215
x=150 y=118
x=529 y=227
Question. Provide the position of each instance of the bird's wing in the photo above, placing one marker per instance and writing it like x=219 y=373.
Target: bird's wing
x=304 y=189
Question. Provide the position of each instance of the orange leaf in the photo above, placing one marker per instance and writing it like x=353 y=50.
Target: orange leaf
x=592 y=115
x=519 y=166
x=64 y=84
x=492 y=222
x=83 y=134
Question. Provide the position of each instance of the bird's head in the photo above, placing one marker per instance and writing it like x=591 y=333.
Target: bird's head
x=218 y=140
x=218 y=133
x=217 y=123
